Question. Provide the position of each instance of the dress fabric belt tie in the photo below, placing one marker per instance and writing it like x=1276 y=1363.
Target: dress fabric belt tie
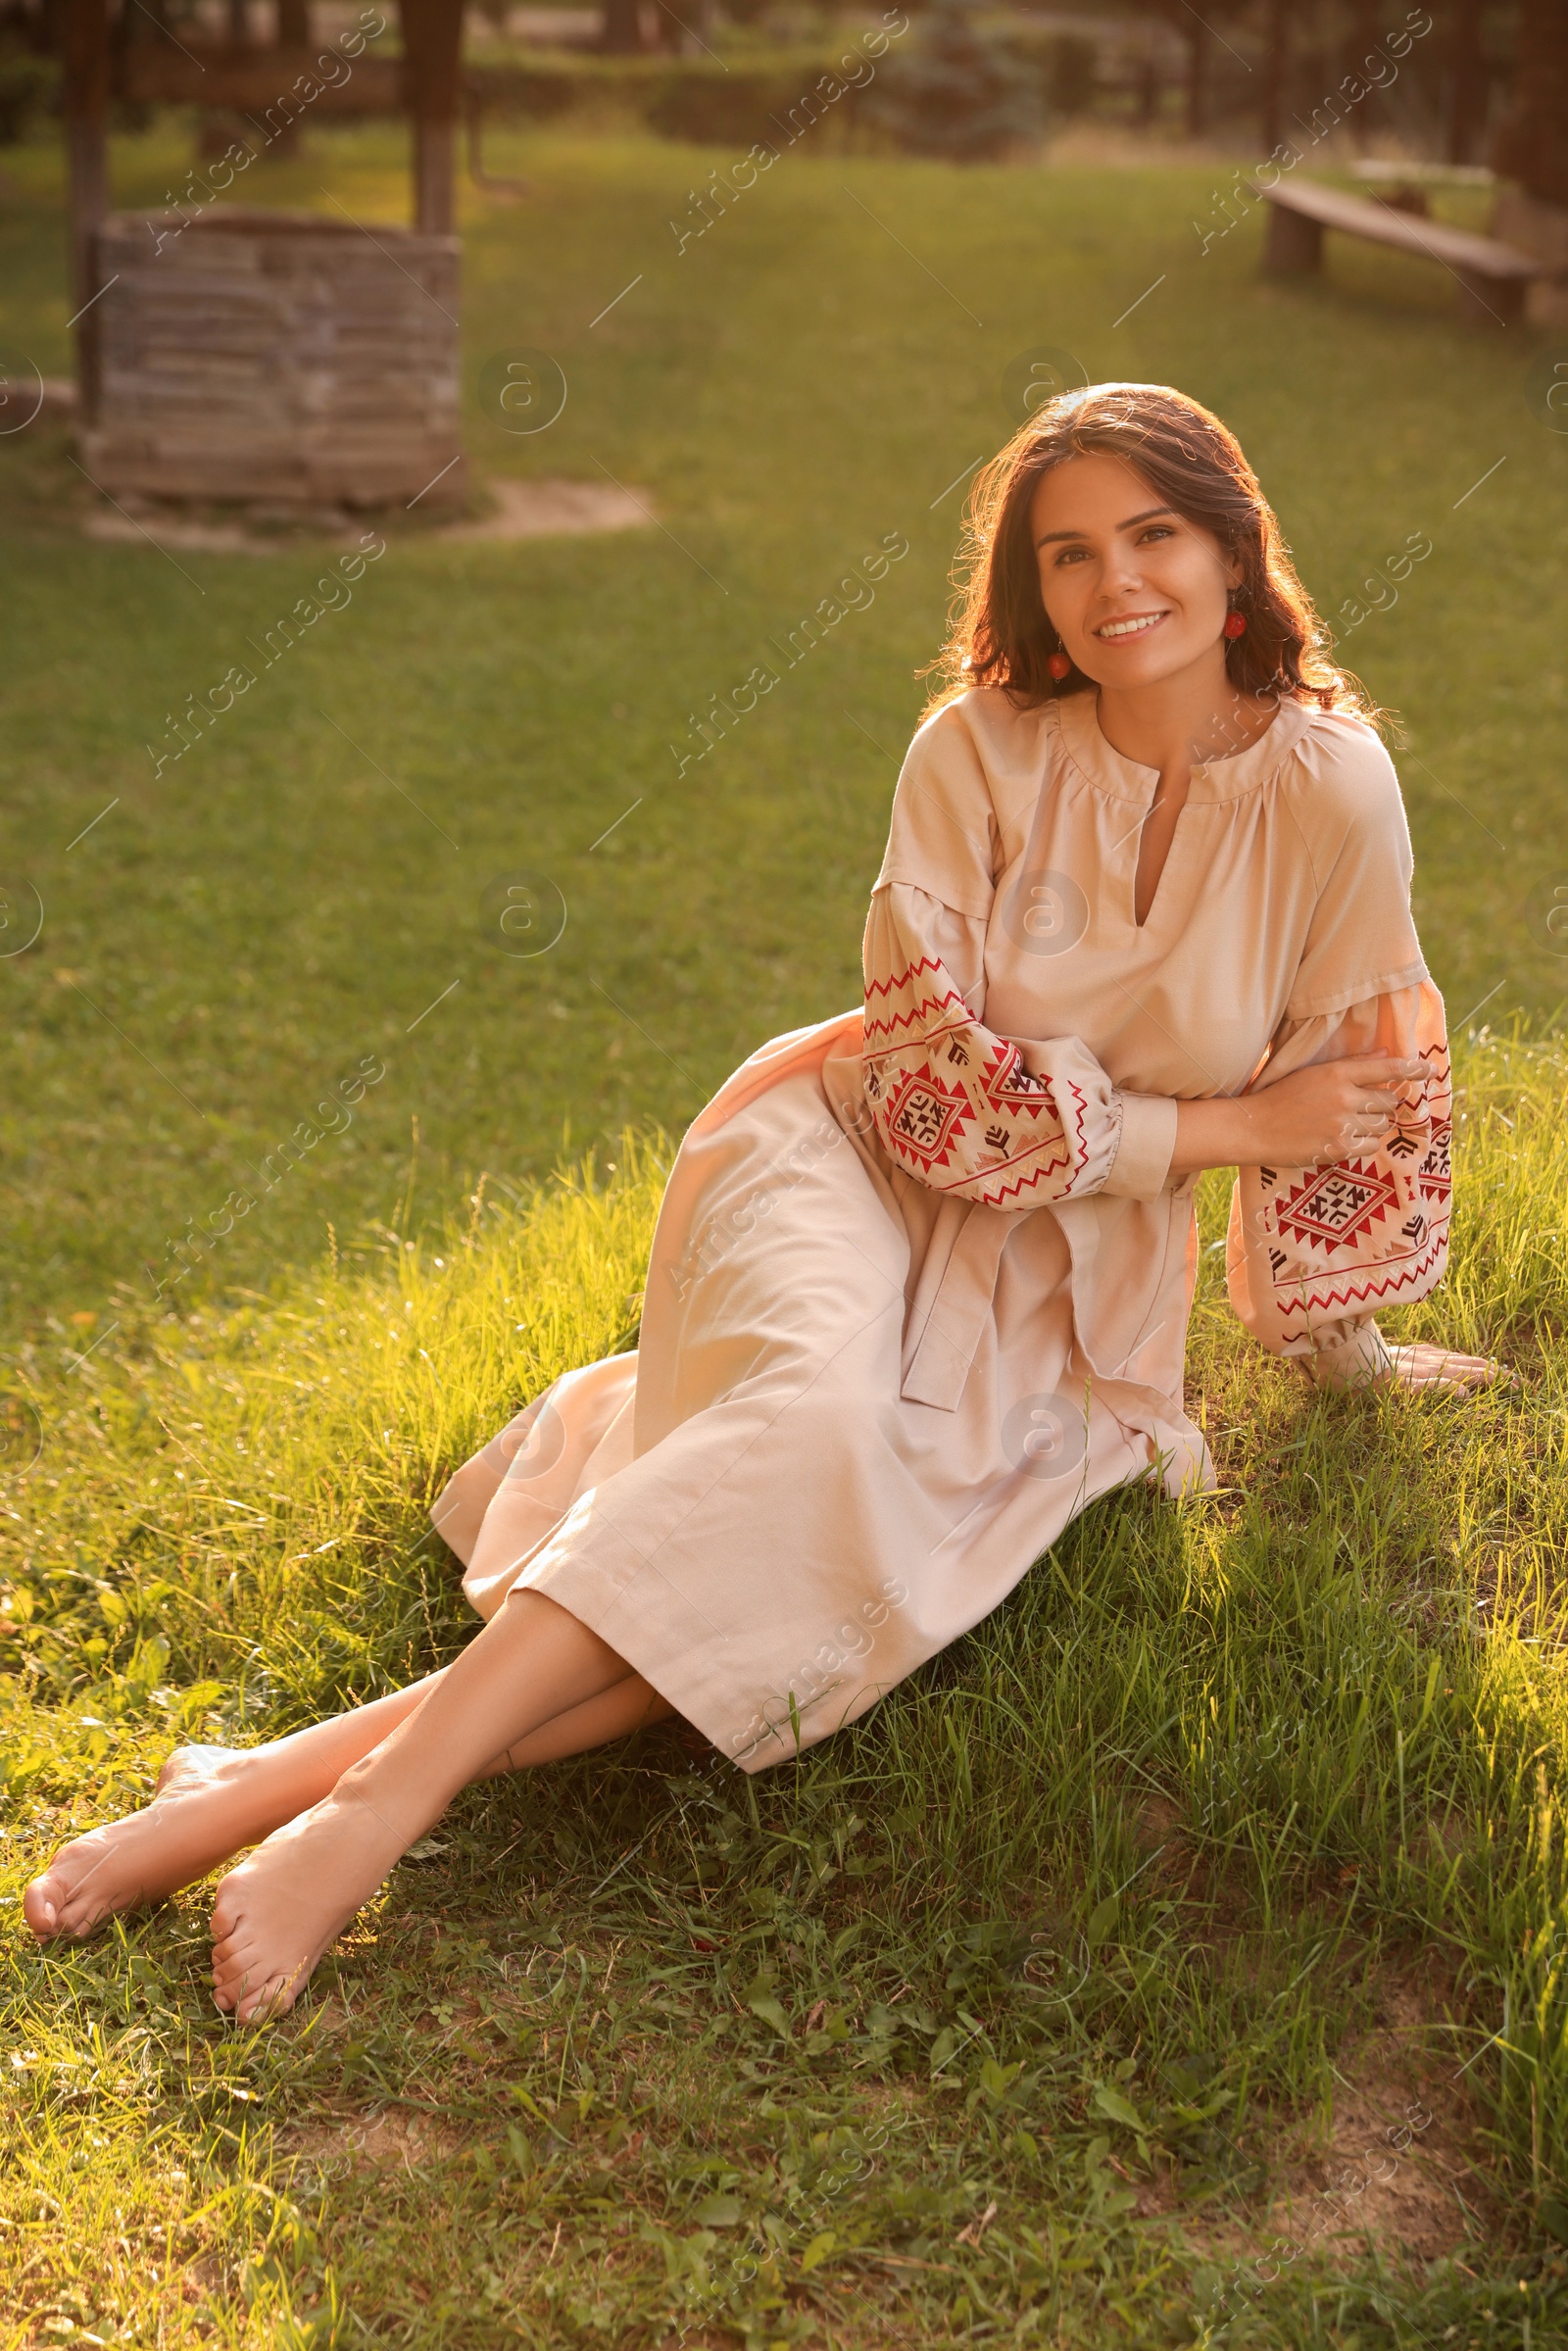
x=952 y=1305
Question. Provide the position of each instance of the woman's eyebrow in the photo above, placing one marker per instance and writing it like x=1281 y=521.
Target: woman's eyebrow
x=1147 y=515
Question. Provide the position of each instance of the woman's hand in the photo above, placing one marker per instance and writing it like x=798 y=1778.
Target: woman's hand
x=1309 y=1119
x=1319 y=1114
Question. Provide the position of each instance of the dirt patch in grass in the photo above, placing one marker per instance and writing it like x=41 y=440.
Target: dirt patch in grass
x=555 y=510
x=1401 y=2174
x=513 y=509
x=395 y=2135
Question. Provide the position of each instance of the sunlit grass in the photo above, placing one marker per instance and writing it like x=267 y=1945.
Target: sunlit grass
x=1098 y=1919
x=1085 y=1968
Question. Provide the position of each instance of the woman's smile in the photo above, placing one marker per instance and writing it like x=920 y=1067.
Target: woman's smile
x=1130 y=624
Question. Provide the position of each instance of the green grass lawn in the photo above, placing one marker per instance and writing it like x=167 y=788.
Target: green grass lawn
x=791 y=387
x=1202 y=1868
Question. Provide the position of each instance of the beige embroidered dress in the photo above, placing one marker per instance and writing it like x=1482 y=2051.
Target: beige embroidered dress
x=919 y=1287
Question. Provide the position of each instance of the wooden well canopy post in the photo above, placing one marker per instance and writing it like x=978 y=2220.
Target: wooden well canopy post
x=85 y=105
x=433 y=43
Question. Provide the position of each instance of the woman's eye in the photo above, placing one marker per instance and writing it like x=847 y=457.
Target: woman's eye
x=1158 y=530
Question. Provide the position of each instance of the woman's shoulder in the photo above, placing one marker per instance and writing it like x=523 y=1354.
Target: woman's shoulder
x=978 y=711
x=982 y=741
x=969 y=779
x=1342 y=779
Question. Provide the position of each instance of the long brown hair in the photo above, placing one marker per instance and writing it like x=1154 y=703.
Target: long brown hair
x=999 y=634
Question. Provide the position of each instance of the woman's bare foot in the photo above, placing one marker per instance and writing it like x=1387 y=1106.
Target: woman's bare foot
x=1442 y=1370
x=285 y=1903
x=209 y=1803
x=198 y=1816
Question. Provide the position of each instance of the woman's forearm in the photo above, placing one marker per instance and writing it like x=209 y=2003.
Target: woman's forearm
x=1214 y=1134
x=1307 y=1119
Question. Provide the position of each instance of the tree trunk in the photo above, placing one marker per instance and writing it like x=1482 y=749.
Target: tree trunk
x=293 y=32
x=622 y=32
x=1148 y=89
x=1276 y=71
x=433 y=45
x=1531 y=146
x=1361 y=42
x=1197 y=81
x=1467 y=91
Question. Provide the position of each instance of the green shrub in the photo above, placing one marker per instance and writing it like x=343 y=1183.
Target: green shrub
x=27 y=88
x=699 y=99
x=553 y=86
x=1064 y=64
x=958 y=90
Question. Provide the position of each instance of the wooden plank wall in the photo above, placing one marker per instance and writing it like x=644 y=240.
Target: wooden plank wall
x=277 y=358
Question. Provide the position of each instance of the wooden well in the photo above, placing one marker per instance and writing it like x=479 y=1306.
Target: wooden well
x=260 y=357
x=274 y=358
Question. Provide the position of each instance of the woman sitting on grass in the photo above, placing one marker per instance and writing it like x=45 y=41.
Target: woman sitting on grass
x=919 y=1288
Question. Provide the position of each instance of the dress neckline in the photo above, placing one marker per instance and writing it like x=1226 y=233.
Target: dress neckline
x=1213 y=780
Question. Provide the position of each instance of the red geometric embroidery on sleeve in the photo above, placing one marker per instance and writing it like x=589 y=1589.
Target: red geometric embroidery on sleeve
x=923 y=1116
x=1008 y=1086
x=1434 y=1178
x=1369 y=1231
x=1330 y=1296
x=923 y=1008
x=1337 y=1205
x=955 y=1102
x=932 y=1123
x=1336 y=1209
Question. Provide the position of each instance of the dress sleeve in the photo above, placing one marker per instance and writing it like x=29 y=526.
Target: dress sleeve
x=1011 y=1122
x=1312 y=1252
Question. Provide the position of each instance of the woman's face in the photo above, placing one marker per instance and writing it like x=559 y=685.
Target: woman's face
x=1135 y=592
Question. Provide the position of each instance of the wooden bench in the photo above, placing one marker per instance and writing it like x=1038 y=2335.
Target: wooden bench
x=1492 y=279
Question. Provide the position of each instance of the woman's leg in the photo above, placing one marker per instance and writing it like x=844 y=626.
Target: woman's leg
x=209 y=1803
x=212 y=1802
x=532 y=1665
x=624 y=1707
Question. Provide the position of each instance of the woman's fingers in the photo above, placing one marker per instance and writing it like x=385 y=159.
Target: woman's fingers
x=1373 y=1089
x=1333 y=1108
x=1395 y=1068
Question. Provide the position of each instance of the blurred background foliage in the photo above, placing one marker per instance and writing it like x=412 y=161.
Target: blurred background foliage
x=968 y=78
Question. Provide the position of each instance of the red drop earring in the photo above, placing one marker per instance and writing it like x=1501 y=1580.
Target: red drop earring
x=1235 y=625
x=1059 y=665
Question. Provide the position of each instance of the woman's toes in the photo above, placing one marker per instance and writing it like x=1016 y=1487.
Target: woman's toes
x=147 y=1855
x=74 y=1892
x=231 y=1967
x=285 y=1904
x=40 y=1905
x=246 y=1985
x=270 y=2000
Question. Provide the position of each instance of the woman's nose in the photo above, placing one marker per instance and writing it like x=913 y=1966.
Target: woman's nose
x=1121 y=568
